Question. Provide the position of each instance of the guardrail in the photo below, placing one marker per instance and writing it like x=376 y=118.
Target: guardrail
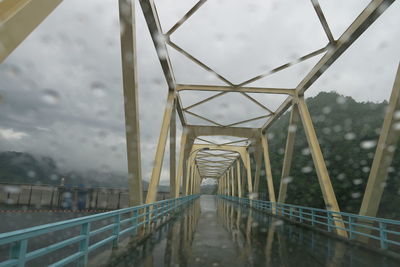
x=124 y=221
x=384 y=231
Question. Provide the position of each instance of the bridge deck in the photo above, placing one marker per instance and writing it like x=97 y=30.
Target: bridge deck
x=215 y=232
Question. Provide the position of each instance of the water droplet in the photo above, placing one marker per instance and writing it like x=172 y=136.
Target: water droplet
x=292 y=128
x=12 y=189
x=287 y=180
x=253 y=195
x=327 y=110
x=278 y=223
x=341 y=100
x=365 y=169
x=31 y=174
x=306 y=169
x=368 y=144
x=98 y=89
x=341 y=176
x=397 y=114
x=50 y=97
x=350 y=136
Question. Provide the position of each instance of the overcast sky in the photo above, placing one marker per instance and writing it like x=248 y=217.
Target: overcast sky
x=61 y=89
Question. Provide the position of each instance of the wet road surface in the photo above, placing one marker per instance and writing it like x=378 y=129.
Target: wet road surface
x=215 y=232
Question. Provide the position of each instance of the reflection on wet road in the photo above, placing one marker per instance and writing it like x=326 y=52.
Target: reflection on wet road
x=214 y=232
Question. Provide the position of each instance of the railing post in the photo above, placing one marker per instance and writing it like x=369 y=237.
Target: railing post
x=155 y=215
x=351 y=227
x=117 y=227
x=18 y=251
x=383 y=235
x=312 y=217
x=329 y=215
x=84 y=244
x=301 y=214
x=291 y=213
x=135 y=221
x=147 y=214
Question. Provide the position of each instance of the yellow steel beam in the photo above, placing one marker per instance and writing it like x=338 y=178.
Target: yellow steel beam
x=158 y=161
x=284 y=66
x=258 y=158
x=239 y=180
x=154 y=26
x=374 y=9
x=368 y=16
x=233 y=89
x=18 y=18
x=179 y=173
x=131 y=102
x=247 y=165
x=384 y=153
x=223 y=131
x=172 y=154
x=185 y=17
x=323 y=21
x=320 y=167
x=278 y=112
x=248 y=120
x=268 y=172
x=287 y=160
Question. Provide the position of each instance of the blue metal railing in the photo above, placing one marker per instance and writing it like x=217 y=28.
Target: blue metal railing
x=385 y=231
x=135 y=217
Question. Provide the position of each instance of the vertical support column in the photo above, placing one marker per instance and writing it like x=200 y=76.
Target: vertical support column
x=221 y=180
x=384 y=153
x=239 y=180
x=159 y=158
x=322 y=172
x=225 y=189
x=187 y=178
x=131 y=95
x=257 y=155
x=193 y=179
x=287 y=160
x=233 y=179
x=243 y=174
x=186 y=161
x=172 y=154
x=248 y=169
x=228 y=183
x=184 y=139
x=268 y=172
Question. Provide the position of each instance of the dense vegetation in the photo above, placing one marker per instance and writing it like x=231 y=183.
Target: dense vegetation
x=348 y=132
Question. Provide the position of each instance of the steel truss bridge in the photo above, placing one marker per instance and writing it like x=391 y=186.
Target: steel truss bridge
x=200 y=158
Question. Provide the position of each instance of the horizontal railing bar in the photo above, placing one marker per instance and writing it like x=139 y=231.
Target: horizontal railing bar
x=68 y=259
x=102 y=229
x=9 y=263
x=42 y=251
x=351 y=223
x=150 y=212
x=101 y=243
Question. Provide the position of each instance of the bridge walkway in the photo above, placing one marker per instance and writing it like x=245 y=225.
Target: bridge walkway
x=216 y=232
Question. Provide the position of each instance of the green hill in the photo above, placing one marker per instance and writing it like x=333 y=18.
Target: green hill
x=348 y=132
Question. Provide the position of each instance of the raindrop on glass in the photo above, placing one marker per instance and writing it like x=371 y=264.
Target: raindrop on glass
x=50 y=97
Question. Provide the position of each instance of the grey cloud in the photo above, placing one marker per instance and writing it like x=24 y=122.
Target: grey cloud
x=75 y=52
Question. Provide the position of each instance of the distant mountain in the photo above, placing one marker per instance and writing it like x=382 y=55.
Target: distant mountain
x=348 y=132
x=24 y=168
